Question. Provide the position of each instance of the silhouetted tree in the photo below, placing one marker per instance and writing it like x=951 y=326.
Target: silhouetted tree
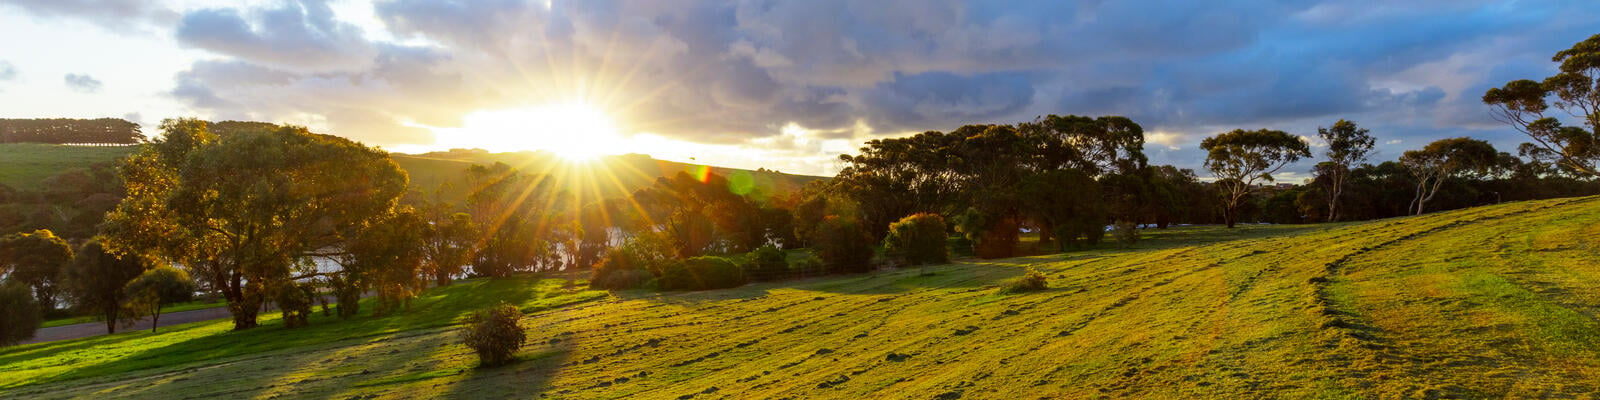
x=97 y=280
x=1444 y=159
x=1522 y=104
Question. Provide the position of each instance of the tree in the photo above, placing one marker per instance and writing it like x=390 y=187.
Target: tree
x=387 y=256
x=244 y=211
x=36 y=259
x=844 y=245
x=19 y=315
x=1240 y=159
x=1444 y=159
x=448 y=245
x=1523 y=105
x=505 y=204
x=1348 y=145
x=918 y=239
x=157 y=288
x=97 y=280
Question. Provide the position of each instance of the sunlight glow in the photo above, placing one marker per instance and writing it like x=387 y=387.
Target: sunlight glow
x=573 y=131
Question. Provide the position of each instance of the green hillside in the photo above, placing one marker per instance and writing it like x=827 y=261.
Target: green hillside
x=1483 y=302
x=26 y=165
x=606 y=177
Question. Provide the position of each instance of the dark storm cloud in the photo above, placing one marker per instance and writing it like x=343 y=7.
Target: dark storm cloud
x=732 y=72
x=82 y=83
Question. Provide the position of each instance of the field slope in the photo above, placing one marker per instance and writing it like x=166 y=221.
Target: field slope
x=1483 y=302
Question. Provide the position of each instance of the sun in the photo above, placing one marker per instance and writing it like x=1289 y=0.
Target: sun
x=574 y=131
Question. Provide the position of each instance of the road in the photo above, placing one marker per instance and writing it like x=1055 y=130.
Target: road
x=98 y=328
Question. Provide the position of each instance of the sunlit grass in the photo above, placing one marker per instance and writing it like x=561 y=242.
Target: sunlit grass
x=1485 y=302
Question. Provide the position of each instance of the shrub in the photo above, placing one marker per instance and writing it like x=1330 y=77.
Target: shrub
x=159 y=287
x=809 y=265
x=918 y=239
x=766 y=263
x=493 y=333
x=294 y=301
x=700 y=273
x=1032 y=281
x=626 y=266
x=19 y=314
x=1126 y=233
x=843 y=245
x=623 y=279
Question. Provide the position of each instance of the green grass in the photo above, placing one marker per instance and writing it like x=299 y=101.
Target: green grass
x=180 y=307
x=26 y=165
x=1497 y=301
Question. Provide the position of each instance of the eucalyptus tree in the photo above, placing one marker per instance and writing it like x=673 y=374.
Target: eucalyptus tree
x=1526 y=105
x=1444 y=159
x=1348 y=145
x=36 y=259
x=1241 y=159
x=243 y=211
x=97 y=279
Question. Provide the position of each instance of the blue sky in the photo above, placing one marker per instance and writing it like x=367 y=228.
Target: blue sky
x=785 y=85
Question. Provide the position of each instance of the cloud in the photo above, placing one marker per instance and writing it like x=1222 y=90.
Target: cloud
x=299 y=35
x=82 y=83
x=7 y=71
x=741 y=73
x=112 y=15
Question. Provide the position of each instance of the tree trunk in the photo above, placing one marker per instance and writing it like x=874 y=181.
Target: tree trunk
x=1229 y=215
x=155 y=319
x=441 y=279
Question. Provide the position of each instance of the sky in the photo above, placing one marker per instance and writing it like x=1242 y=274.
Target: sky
x=785 y=85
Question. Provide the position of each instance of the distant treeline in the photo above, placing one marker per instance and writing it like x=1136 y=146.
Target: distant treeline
x=70 y=131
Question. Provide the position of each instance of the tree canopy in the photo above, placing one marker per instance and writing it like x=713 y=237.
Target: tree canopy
x=1241 y=158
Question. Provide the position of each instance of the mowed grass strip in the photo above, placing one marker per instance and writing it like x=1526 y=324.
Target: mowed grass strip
x=26 y=165
x=1191 y=312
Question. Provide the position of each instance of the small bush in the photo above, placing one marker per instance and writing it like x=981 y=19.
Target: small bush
x=701 y=273
x=294 y=301
x=766 y=263
x=1032 y=281
x=633 y=264
x=19 y=314
x=494 y=334
x=918 y=239
x=809 y=265
x=843 y=245
x=1126 y=233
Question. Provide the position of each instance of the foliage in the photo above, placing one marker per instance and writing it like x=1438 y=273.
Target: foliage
x=386 y=257
x=245 y=209
x=494 y=334
x=98 y=279
x=1444 y=159
x=843 y=245
x=19 y=314
x=512 y=210
x=621 y=268
x=1126 y=233
x=1031 y=281
x=766 y=263
x=918 y=239
x=70 y=131
x=157 y=288
x=1240 y=159
x=36 y=259
x=294 y=300
x=701 y=273
x=807 y=265
x=1348 y=146
x=448 y=244
x=1525 y=105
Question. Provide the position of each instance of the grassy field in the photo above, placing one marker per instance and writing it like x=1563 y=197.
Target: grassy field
x=1484 y=302
x=26 y=165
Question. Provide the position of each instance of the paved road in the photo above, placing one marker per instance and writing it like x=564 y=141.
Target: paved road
x=98 y=328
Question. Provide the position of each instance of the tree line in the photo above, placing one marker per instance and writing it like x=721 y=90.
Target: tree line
x=70 y=131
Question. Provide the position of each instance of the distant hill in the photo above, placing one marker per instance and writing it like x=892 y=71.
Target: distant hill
x=26 y=165
x=606 y=177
